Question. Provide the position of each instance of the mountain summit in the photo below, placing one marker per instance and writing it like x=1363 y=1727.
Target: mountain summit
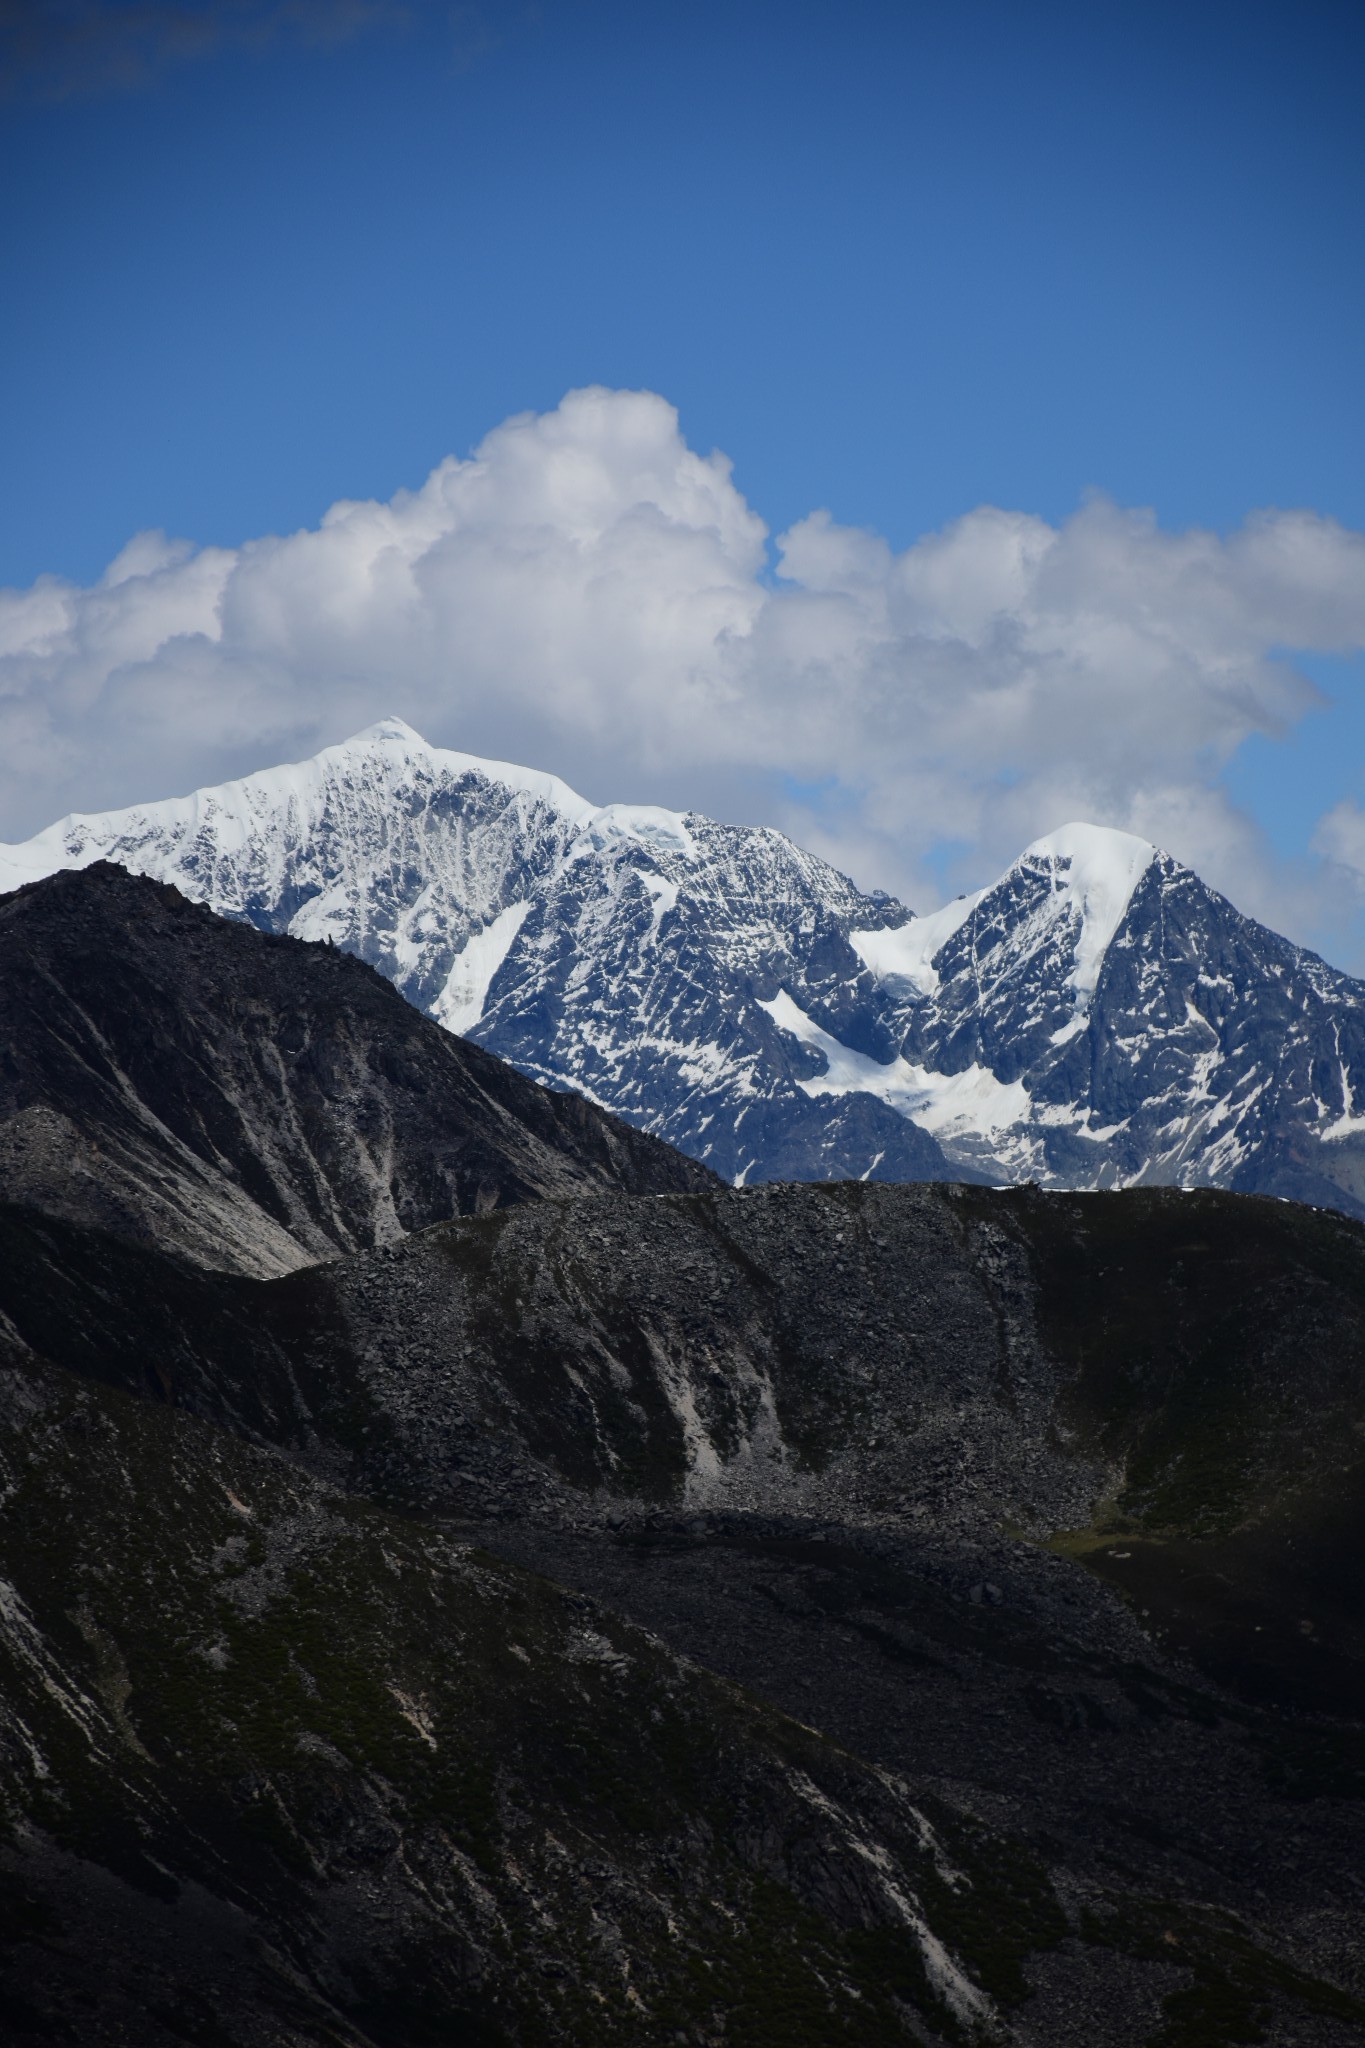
x=1096 y=1017
x=621 y=951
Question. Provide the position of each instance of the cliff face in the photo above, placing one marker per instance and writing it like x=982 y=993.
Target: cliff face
x=256 y=1102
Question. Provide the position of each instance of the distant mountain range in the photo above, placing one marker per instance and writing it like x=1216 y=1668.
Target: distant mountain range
x=1098 y=1017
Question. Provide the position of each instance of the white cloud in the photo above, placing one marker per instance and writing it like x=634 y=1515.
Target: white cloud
x=587 y=594
x=1340 y=838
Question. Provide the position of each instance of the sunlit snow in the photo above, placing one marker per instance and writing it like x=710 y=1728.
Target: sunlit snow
x=461 y=1002
x=972 y=1101
x=1097 y=870
x=907 y=953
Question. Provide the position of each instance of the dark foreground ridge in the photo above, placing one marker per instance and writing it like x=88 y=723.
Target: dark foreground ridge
x=1019 y=1531
x=255 y=1102
x=855 y=1613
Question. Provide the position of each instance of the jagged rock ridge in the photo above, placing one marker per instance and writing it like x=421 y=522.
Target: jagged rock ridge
x=616 y=951
x=1114 y=1022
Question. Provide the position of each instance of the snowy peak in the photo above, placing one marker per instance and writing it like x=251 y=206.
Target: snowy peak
x=613 y=949
x=402 y=754
x=1071 y=889
x=403 y=758
x=396 y=729
x=1093 y=872
x=1098 y=1017
x=372 y=772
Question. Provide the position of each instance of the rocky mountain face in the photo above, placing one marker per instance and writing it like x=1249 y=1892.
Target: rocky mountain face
x=1096 y=1018
x=1113 y=1022
x=278 y=1767
x=370 y=1634
x=255 y=1102
x=620 y=952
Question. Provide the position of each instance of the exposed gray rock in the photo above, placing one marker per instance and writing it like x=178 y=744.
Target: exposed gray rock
x=256 y=1102
x=1022 y=1499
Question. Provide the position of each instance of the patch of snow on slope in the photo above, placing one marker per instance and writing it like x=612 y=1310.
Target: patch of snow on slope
x=1098 y=870
x=325 y=918
x=1348 y=1123
x=663 y=831
x=971 y=1102
x=461 y=1002
x=907 y=953
x=663 y=897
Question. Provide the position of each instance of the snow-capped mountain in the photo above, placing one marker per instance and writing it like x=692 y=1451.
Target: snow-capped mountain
x=1097 y=1017
x=620 y=951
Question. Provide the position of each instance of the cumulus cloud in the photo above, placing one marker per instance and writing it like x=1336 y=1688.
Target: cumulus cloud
x=586 y=593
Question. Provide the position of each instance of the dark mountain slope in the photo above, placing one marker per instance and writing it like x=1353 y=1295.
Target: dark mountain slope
x=1024 y=1498
x=253 y=1101
x=281 y=1771
x=1180 y=1375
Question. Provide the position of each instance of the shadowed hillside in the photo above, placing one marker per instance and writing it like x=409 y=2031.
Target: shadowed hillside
x=255 y=1102
x=1024 y=1499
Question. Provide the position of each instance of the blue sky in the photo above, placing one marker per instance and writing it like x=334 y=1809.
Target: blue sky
x=898 y=261
x=894 y=259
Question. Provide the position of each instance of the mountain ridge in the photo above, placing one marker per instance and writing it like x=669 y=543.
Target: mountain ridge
x=255 y=1101
x=1095 y=1017
x=431 y=1686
